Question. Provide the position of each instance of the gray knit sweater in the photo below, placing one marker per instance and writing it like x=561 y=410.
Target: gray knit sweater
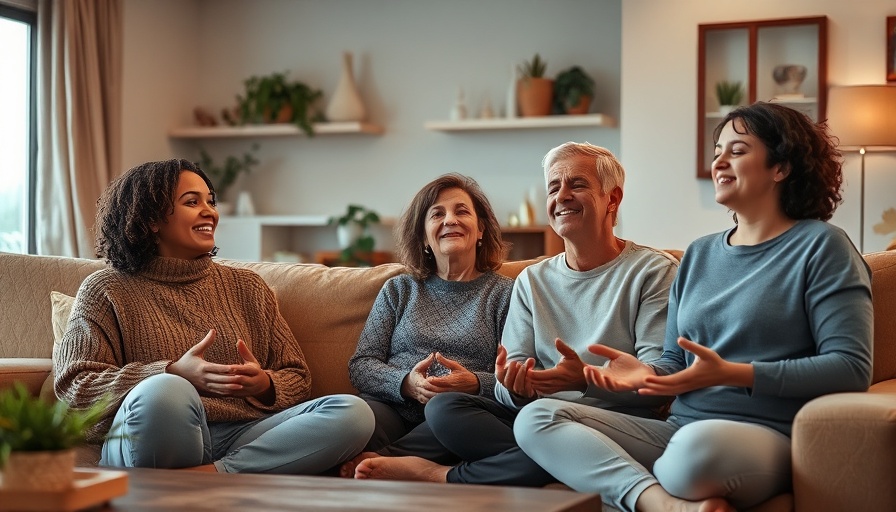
x=125 y=328
x=412 y=319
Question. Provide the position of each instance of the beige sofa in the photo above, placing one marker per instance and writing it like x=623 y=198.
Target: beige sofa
x=844 y=445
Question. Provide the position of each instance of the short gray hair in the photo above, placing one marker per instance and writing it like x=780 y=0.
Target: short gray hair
x=606 y=167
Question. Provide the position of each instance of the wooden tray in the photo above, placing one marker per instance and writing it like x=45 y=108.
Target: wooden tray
x=90 y=488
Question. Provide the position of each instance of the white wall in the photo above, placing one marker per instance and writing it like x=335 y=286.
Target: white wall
x=410 y=58
x=665 y=204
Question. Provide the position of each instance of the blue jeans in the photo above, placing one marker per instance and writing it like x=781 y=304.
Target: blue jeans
x=162 y=424
x=600 y=451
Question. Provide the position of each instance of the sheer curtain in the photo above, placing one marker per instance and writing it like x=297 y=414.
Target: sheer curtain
x=79 y=118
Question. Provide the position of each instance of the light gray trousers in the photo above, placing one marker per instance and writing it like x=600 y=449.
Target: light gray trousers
x=606 y=452
x=162 y=424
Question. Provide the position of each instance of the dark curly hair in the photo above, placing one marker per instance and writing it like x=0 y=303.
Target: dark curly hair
x=129 y=207
x=812 y=188
x=411 y=235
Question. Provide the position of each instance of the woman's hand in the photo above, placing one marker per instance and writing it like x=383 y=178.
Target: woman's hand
x=514 y=375
x=460 y=379
x=622 y=372
x=707 y=370
x=566 y=376
x=415 y=385
x=221 y=380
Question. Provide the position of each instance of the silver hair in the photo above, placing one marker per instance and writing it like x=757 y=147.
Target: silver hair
x=607 y=168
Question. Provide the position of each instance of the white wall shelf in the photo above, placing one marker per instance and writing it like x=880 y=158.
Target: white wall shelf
x=519 y=123
x=273 y=130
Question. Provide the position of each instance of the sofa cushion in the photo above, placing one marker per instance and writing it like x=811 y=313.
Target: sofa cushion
x=61 y=305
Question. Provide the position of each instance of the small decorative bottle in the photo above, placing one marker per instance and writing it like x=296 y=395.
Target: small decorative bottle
x=510 y=106
x=527 y=213
x=459 y=111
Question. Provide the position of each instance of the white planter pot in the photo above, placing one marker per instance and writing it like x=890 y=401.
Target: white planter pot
x=47 y=471
x=346 y=234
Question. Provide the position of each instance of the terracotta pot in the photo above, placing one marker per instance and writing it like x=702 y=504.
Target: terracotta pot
x=47 y=471
x=582 y=108
x=283 y=115
x=534 y=96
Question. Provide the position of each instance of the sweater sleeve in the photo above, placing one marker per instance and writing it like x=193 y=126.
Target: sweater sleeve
x=286 y=365
x=369 y=369
x=518 y=337
x=89 y=360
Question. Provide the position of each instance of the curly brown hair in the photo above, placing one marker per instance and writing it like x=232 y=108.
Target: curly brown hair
x=126 y=211
x=411 y=236
x=811 y=190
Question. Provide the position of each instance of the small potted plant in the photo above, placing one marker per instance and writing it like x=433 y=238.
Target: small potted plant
x=225 y=175
x=573 y=91
x=275 y=99
x=353 y=233
x=729 y=95
x=534 y=92
x=38 y=438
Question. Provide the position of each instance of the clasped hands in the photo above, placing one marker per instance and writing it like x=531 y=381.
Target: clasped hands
x=223 y=380
x=418 y=385
x=622 y=372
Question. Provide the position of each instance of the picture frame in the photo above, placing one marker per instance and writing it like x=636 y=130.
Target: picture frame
x=891 y=49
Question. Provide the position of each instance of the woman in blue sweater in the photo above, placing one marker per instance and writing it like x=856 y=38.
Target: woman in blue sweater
x=763 y=317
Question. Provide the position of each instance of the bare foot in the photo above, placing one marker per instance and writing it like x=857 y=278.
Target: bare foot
x=402 y=468
x=655 y=498
x=347 y=469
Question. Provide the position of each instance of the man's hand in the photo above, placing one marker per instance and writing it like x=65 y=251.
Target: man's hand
x=415 y=385
x=707 y=370
x=622 y=372
x=566 y=376
x=460 y=379
x=513 y=375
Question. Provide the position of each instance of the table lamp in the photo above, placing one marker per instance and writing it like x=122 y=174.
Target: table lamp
x=863 y=117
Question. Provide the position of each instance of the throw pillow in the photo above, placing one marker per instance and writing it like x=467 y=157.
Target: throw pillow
x=61 y=310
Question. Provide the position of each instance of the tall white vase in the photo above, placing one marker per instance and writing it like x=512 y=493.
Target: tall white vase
x=346 y=103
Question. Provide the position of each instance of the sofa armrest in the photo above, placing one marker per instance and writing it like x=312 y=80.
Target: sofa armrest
x=31 y=371
x=843 y=446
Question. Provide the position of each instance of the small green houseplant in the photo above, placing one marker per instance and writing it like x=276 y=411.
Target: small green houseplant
x=276 y=99
x=225 y=175
x=729 y=93
x=573 y=91
x=32 y=425
x=353 y=232
x=534 y=68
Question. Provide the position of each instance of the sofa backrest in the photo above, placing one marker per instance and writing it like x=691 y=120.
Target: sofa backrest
x=883 y=290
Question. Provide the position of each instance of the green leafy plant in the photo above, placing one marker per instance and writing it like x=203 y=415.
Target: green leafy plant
x=29 y=423
x=274 y=98
x=729 y=93
x=357 y=253
x=224 y=176
x=534 y=68
x=570 y=86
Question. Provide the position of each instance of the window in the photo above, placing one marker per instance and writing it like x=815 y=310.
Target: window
x=17 y=130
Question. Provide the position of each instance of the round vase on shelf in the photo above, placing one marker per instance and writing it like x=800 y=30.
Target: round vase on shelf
x=724 y=110
x=44 y=471
x=347 y=234
x=244 y=205
x=346 y=103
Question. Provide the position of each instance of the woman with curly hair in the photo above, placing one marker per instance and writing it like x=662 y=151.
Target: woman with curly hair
x=763 y=317
x=437 y=328
x=202 y=369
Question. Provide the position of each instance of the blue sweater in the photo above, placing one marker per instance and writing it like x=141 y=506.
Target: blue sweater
x=798 y=307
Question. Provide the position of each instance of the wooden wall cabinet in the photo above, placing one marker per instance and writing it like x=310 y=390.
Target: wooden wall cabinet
x=748 y=52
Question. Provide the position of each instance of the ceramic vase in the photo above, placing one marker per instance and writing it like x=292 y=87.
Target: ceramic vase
x=510 y=105
x=244 y=205
x=44 y=471
x=346 y=103
x=346 y=234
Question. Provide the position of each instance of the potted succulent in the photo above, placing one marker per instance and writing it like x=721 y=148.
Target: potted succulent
x=353 y=233
x=275 y=99
x=533 y=91
x=224 y=176
x=38 y=438
x=729 y=95
x=573 y=91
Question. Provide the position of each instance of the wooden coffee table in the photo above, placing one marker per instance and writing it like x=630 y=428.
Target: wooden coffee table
x=164 y=489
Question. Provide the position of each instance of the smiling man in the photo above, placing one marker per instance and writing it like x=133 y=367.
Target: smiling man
x=601 y=290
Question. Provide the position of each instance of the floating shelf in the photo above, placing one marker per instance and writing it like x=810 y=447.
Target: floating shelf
x=519 y=123
x=272 y=130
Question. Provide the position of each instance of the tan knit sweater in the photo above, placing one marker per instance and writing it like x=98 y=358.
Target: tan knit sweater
x=125 y=328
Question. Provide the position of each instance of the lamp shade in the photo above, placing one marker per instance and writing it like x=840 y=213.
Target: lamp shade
x=863 y=116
